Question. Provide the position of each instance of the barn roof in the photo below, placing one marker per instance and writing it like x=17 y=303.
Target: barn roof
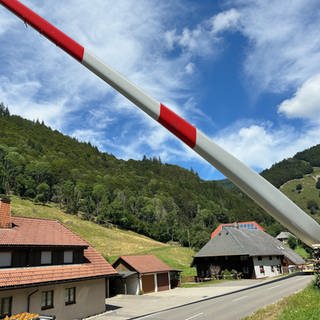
x=234 y=242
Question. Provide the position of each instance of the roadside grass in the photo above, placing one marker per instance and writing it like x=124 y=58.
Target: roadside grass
x=110 y=242
x=304 y=305
x=302 y=252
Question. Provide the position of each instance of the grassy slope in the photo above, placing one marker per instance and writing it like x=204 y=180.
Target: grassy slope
x=308 y=192
x=304 y=305
x=110 y=242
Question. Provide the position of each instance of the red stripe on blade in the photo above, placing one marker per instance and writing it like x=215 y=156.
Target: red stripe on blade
x=46 y=28
x=178 y=126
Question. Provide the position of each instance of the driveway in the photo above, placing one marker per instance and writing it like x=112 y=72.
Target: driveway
x=123 y=307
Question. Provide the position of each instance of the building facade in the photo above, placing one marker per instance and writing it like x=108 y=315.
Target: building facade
x=47 y=269
x=144 y=274
x=250 y=253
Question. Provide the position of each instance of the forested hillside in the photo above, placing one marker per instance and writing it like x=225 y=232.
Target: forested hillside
x=160 y=200
x=293 y=168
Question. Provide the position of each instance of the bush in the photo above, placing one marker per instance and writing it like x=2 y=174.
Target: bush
x=226 y=274
x=312 y=206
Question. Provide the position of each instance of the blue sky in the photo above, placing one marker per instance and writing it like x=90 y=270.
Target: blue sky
x=246 y=73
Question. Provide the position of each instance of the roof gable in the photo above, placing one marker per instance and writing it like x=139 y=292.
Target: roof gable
x=144 y=263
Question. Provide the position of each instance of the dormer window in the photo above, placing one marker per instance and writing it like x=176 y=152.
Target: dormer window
x=46 y=257
x=5 y=259
x=68 y=256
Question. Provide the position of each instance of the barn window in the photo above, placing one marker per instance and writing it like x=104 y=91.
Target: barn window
x=68 y=256
x=46 y=257
x=5 y=259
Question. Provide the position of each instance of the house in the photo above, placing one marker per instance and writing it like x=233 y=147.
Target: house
x=47 y=269
x=250 y=252
x=143 y=274
x=284 y=236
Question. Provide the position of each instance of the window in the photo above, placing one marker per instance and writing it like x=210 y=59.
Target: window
x=46 y=257
x=259 y=258
x=70 y=296
x=47 y=300
x=68 y=256
x=5 y=306
x=5 y=259
x=270 y=257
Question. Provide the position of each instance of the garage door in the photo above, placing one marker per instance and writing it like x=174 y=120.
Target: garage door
x=163 y=281
x=148 y=283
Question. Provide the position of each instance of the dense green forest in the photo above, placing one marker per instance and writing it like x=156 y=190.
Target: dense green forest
x=163 y=201
x=288 y=169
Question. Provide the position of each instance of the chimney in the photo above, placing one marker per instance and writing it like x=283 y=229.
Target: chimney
x=5 y=213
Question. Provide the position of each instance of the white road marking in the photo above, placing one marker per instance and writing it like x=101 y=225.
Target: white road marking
x=243 y=297
x=195 y=316
x=279 y=285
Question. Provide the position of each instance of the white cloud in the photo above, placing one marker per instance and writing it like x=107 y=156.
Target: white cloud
x=284 y=46
x=306 y=101
x=41 y=82
x=260 y=145
x=88 y=135
x=190 y=68
x=225 y=20
x=14 y=95
x=204 y=39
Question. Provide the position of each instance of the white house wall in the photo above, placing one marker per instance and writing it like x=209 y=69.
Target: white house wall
x=90 y=299
x=267 y=266
x=133 y=285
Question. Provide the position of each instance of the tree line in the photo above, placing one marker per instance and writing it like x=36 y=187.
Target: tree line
x=163 y=201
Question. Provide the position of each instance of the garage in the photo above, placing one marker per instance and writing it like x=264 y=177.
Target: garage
x=145 y=274
x=148 y=283
x=163 y=281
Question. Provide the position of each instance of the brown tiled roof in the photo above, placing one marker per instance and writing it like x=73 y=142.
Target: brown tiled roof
x=97 y=267
x=30 y=231
x=145 y=263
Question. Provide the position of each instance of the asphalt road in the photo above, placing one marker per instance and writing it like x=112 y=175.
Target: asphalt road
x=234 y=306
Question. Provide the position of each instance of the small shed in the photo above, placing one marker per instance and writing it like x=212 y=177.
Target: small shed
x=284 y=236
x=143 y=274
